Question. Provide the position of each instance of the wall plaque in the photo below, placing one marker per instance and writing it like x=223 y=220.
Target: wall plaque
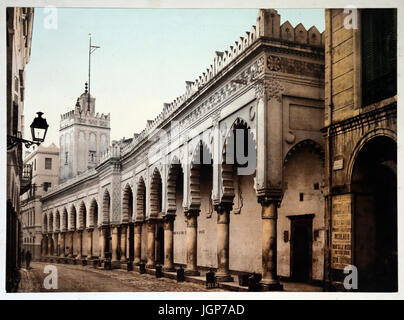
x=341 y=231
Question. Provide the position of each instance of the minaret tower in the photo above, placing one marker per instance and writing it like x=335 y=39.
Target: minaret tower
x=83 y=135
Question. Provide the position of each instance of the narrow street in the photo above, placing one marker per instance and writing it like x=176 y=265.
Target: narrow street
x=77 y=278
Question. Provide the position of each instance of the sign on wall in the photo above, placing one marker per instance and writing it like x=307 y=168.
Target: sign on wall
x=341 y=231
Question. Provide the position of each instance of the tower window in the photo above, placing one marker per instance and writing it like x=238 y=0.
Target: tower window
x=66 y=157
x=92 y=156
x=48 y=163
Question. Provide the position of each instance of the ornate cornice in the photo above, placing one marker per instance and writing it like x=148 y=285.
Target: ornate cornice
x=361 y=120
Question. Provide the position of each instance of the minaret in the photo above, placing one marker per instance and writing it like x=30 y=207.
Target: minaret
x=84 y=136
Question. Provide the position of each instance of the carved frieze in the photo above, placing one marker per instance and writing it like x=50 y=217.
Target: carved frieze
x=293 y=66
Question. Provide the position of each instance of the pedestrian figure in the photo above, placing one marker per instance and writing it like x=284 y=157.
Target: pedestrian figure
x=22 y=255
x=28 y=259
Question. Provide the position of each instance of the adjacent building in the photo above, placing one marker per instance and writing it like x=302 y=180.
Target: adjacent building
x=361 y=146
x=44 y=162
x=19 y=36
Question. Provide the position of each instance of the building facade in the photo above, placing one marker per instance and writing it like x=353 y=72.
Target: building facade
x=228 y=176
x=19 y=36
x=361 y=146
x=44 y=162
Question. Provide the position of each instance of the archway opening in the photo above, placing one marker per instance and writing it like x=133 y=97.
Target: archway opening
x=175 y=198
x=374 y=185
x=238 y=188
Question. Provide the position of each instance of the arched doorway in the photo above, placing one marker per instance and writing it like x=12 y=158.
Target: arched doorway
x=200 y=185
x=374 y=185
x=127 y=213
x=106 y=208
x=175 y=207
x=156 y=201
x=238 y=185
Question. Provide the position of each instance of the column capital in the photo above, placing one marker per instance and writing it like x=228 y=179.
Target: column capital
x=266 y=200
x=90 y=229
x=223 y=207
x=192 y=213
x=138 y=223
x=150 y=224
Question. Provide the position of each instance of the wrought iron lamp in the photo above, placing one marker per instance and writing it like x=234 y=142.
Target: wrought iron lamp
x=39 y=128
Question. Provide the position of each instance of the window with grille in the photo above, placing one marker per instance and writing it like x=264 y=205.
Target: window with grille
x=48 y=163
x=379 y=54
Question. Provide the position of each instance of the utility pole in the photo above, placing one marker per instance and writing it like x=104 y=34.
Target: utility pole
x=91 y=49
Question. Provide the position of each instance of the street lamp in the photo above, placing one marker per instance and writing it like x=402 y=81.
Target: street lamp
x=39 y=127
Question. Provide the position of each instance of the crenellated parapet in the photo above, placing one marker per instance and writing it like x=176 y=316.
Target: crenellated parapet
x=268 y=27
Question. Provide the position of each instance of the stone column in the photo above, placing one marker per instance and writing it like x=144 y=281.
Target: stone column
x=102 y=234
x=50 y=244
x=123 y=242
x=168 y=222
x=80 y=233
x=151 y=258
x=62 y=244
x=89 y=244
x=138 y=242
x=270 y=279
x=129 y=241
x=45 y=245
x=71 y=234
x=223 y=218
x=192 y=225
x=56 y=244
x=114 y=248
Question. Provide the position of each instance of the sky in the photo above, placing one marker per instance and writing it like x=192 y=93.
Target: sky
x=145 y=57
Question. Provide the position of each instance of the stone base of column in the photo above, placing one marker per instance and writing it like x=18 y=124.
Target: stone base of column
x=168 y=269
x=116 y=264
x=150 y=266
x=271 y=286
x=224 y=278
x=188 y=272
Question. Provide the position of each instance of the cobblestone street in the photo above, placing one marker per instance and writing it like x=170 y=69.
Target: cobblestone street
x=77 y=278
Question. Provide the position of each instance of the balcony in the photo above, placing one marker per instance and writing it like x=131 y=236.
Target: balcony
x=26 y=178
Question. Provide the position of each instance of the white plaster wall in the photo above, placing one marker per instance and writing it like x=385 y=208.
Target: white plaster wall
x=245 y=252
x=207 y=225
x=180 y=232
x=301 y=172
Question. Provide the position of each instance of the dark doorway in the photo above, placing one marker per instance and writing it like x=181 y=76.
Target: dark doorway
x=301 y=247
x=374 y=184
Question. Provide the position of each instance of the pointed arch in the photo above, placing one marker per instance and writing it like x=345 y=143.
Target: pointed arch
x=64 y=220
x=173 y=173
x=231 y=157
x=72 y=218
x=45 y=223
x=93 y=214
x=127 y=204
x=306 y=144
x=200 y=157
x=50 y=222
x=141 y=199
x=155 y=193
x=106 y=207
x=82 y=216
x=57 y=221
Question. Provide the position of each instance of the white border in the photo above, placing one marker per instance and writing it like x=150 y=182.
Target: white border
x=197 y=295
